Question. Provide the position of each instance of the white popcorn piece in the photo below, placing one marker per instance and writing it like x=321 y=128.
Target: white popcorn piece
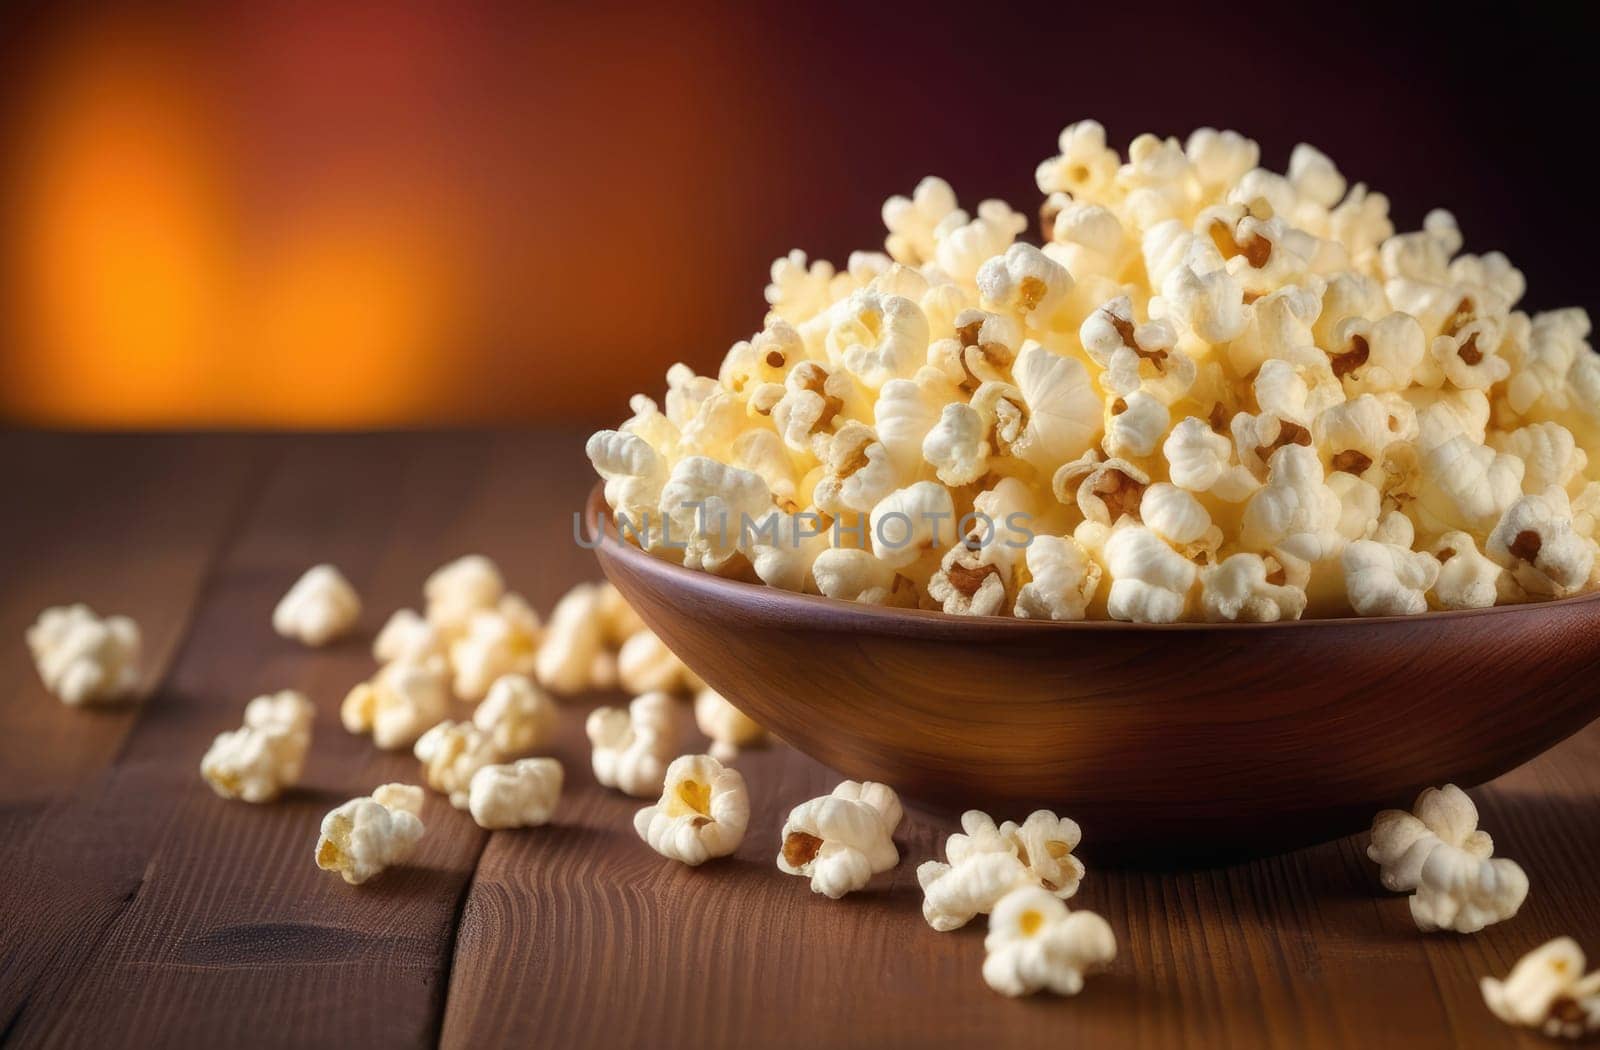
x=860 y=576
x=1384 y=579
x=957 y=446
x=987 y=862
x=257 y=761
x=321 y=606
x=460 y=588
x=1084 y=168
x=841 y=840
x=1550 y=455
x=1548 y=991
x=521 y=794
x=451 y=753
x=1035 y=944
x=407 y=635
x=1063 y=410
x=1437 y=852
x=634 y=474
x=1536 y=542
x=1463 y=893
x=84 y=659
x=646 y=665
x=707 y=505
x=1467 y=579
x=630 y=749
x=364 y=836
x=517 y=716
x=1150 y=582
x=1026 y=283
x=1201 y=460
x=729 y=729
x=1062 y=579
x=857 y=471
x=1104 y=491
x=1466 y=485
x=703 y=812
x=400 y=702
x=910 y=521
x=1295 y=512
x=1250 y=588
x=963 y=244
x=876 y=338
x=499 y=641
x=574 y=641
x=911 y=221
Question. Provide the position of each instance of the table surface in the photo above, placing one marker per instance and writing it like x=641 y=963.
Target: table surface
x=137 y=908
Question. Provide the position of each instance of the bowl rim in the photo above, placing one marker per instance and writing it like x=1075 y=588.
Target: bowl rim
x=597 y=516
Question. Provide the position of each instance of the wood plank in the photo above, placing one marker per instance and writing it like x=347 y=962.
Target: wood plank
x=180 y=918
x=126 y=524
x=577 y=935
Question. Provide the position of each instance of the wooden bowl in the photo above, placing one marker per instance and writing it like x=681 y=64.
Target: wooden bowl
x=1161 y=741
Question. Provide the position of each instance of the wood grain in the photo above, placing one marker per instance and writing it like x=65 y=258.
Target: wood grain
x=138 y=909
x=1183 y=737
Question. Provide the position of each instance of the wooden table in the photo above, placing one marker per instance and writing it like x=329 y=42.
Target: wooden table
x=138 y=909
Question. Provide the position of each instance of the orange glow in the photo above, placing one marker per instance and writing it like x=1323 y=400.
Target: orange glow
x=120 y=237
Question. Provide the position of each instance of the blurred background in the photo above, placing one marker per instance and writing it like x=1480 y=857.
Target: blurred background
x=388 y=214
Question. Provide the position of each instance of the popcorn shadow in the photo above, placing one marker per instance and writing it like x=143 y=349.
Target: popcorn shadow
x=308 y=794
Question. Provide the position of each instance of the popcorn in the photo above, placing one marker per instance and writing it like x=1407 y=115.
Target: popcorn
x=1437 y=852
x=703 y=812
x=457 y=590
x=84 y=659
x=912 y=221
x=1062 y=580
x=516 y=716
x=630 y=749
x=646 y=665
x=841 y=840
x=321 y=606
x=407 y=635
x=451 y=754
x=1467 y=579
x=1231 y=362
x=1536 y=542
x=400 y=702
x=1250 y=588
x=1548 y=991
x=987 y=862
x=729 y=728
x=523 y=794
x=1150 y=581
x=572 y=655
x=1386 y=579
x=366 y=835
x=1035 y=944
x=257 y=761
x=499 y=641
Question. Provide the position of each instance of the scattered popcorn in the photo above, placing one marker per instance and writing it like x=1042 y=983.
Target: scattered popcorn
x=407 y=635
x=258 y=760
x=841 y=840
x=522 y=794
x=84 y=659
x=451 y=753
x=573 y=656
x=1227 y=394
x=703 y=811
x=366 y=835
x=499 y=641
x=400 y=702
x=321 y=606
x=631 y=749
x=729 y=728
x=457 y=590
x=1035 y=944
x=1437 y=853
x=1547 y=990
x=987 y=862
x=517 y=716
x=646 y=665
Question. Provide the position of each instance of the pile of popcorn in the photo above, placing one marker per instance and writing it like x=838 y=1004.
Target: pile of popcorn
x=1215 y=393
